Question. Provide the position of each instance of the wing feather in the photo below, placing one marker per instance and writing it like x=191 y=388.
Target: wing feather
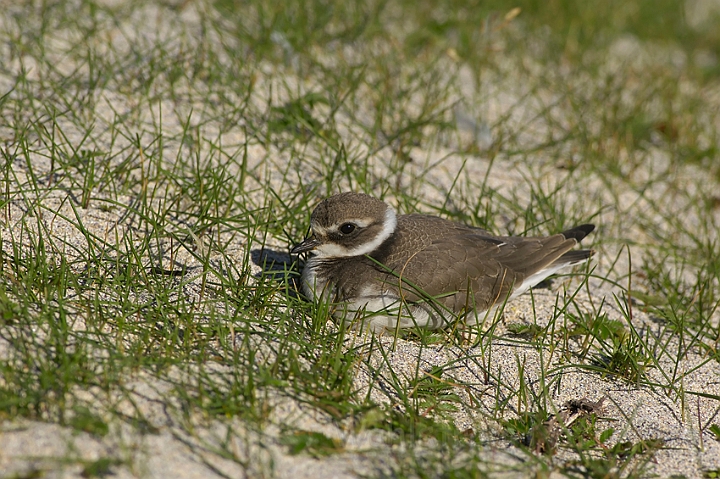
x=470 y=264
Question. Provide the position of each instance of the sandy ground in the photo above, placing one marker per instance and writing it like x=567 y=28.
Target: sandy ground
x=635 y=413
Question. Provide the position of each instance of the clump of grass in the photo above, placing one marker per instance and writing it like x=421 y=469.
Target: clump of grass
x=577 y=427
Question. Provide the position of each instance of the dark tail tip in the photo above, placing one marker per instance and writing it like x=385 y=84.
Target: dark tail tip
x=576 y=256
x=579 y=232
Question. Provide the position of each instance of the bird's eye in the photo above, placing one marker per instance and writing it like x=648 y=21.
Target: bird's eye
x=347 y=228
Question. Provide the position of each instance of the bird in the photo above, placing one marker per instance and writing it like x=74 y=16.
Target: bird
x=388 y=271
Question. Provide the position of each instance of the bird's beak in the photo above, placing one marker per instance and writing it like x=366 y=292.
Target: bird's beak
x=308 y=245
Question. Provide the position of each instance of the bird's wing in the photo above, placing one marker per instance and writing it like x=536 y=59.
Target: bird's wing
x=473 y=272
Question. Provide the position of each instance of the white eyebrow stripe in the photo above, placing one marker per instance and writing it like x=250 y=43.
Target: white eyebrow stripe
x=334 y=250
x=389 y=226
x=360 y=222
x=318 y=230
